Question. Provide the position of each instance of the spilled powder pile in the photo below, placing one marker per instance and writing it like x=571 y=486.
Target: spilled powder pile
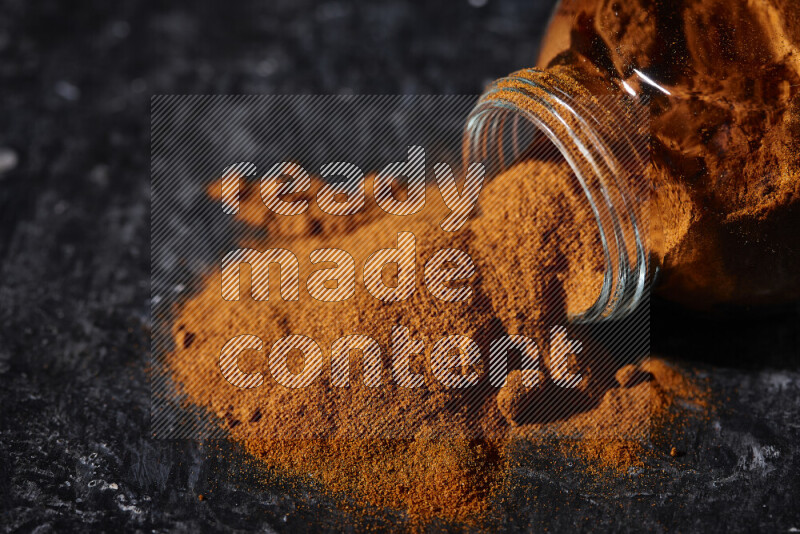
x=430 y=451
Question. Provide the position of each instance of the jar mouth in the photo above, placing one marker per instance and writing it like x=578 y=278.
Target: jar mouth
x=533 y=114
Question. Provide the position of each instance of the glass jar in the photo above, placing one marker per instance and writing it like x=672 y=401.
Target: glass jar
x=712 y=89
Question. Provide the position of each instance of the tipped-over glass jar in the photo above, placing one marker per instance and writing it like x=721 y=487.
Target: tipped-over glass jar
x=719 y=81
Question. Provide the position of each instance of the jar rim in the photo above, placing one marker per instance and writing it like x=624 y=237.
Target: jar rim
x=608 y=159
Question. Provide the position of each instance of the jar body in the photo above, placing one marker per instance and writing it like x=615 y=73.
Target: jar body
x=722 y=83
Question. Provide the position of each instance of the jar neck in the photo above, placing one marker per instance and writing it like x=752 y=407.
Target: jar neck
x=604 y=138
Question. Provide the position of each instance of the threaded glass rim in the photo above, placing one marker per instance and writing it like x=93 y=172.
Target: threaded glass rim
x=607 y=152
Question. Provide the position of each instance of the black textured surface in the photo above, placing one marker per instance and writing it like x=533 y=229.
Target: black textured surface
x=75 y=82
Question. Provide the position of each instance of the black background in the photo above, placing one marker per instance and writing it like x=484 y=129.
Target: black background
x=75 y=84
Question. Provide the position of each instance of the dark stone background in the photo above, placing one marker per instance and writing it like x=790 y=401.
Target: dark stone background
x=75 y=83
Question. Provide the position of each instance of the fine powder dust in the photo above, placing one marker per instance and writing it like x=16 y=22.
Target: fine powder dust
x=431 y=451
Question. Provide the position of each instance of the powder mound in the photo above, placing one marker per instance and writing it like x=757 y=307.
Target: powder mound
x=457 y=478
x=433 y=451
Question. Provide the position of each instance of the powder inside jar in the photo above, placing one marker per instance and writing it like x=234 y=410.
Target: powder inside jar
x=536 y=229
